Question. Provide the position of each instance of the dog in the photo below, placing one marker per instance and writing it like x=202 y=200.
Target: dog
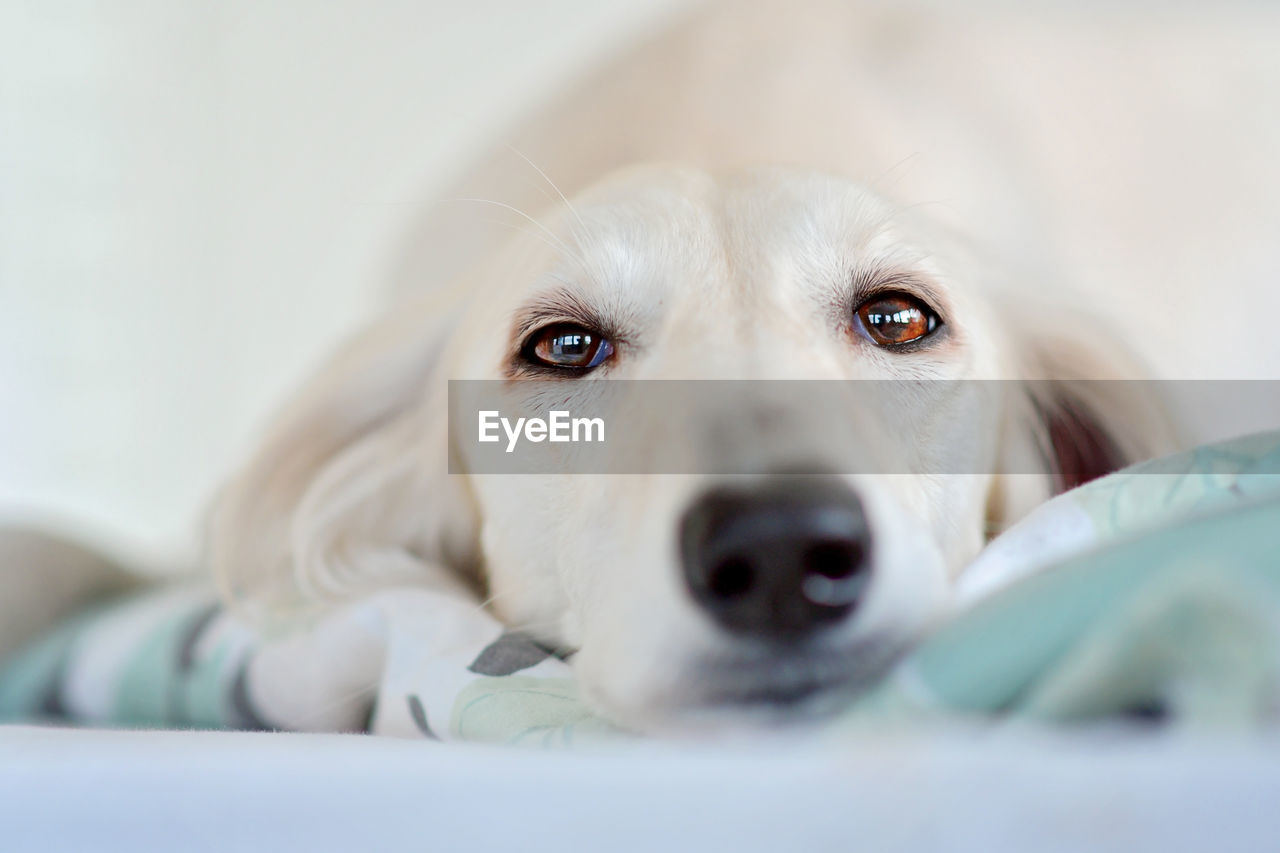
x=761 y=193
x=672 y=273
x=689 y=598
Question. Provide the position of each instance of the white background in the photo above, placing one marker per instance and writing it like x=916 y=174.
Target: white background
x=198 y=197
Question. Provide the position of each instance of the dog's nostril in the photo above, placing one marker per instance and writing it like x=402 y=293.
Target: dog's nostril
x=730 y=578
x=833 y=560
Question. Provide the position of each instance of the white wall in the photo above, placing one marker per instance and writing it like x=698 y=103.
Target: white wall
x=198 y=197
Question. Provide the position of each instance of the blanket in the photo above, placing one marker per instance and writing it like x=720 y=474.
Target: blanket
x=1150 y=594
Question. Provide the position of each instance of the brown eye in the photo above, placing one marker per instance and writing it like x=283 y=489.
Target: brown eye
x=567 y=346
x=893 y=319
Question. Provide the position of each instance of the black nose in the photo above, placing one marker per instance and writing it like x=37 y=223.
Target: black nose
x=780 y=561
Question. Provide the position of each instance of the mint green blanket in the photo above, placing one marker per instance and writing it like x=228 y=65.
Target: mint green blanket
x=1151 y=594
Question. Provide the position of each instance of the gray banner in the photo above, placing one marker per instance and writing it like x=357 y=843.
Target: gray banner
x=1077 y=429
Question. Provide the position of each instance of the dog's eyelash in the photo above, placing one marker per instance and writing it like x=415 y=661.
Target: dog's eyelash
x=563 y=307
x=869 y=283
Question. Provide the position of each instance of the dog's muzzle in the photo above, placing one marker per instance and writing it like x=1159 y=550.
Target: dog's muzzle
x=780 y=561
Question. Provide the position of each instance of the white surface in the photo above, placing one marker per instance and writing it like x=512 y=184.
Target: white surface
x=77 y=790
x=197 y=198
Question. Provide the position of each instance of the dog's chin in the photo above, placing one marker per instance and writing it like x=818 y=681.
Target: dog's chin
x=763 y=707
x=764 y=690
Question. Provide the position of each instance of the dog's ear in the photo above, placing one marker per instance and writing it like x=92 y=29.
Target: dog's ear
x=351 y=490
x=1082 y=407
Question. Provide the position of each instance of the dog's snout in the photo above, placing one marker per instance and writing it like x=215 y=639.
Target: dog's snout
x=777 y=562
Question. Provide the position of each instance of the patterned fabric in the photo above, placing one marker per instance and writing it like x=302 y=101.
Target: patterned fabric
x=1164 y=603
x=175 y=658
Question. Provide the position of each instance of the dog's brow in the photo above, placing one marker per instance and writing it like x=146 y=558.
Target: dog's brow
x=559 y=307
x=874 y=279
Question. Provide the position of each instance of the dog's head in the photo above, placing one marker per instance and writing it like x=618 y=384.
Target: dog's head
x=688 y=595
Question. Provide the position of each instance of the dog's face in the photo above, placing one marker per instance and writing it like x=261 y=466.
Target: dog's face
x=688 y=593
x=685 y=597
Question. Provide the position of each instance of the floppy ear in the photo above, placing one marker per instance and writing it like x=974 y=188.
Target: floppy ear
x=1083 y=407
x=351 y=488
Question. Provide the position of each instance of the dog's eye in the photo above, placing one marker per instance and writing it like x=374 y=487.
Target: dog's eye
x=567 y=346
x=893 y=319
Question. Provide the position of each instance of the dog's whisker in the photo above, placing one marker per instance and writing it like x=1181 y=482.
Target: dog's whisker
x=523 y=229
x=550 y=182
x=318 y=711
x=564 y=247
x=517 y=589
x=559 y=245
x=887 y=181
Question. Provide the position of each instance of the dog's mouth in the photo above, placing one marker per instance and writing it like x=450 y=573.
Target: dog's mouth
x=788 y=683
x=778 y=695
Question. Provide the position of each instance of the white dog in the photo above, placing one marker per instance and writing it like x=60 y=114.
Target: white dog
x=685 y=596
x=685 y=593
x=830 y=193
